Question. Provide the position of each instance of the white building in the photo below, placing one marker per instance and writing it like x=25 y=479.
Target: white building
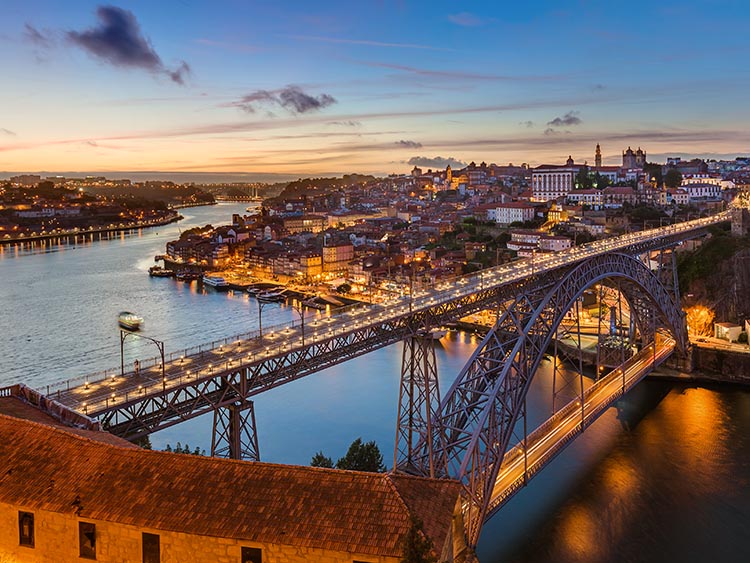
x=507 y=213
x=702 y=191
x=593 y=198
x=554 y=243
x=550 y=181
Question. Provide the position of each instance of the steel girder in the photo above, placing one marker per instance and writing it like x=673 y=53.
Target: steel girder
x=140 y=415
x=478 y=415
x=234 y=432
x=419 y=401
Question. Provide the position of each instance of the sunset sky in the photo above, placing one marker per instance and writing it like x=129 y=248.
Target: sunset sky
x=300 y=87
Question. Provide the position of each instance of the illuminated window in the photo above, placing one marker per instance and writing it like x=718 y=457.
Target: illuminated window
x=151 y=550
x=26 y=528
x=252 y=555
x=87 y=540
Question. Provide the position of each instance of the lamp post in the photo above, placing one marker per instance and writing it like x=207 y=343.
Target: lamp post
x=159 y=344
x=260 y=317
x=299 y=308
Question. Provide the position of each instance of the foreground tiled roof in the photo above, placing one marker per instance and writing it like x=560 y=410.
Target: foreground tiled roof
x=48 y=469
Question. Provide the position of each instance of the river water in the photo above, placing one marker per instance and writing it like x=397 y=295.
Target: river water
x=663 y=476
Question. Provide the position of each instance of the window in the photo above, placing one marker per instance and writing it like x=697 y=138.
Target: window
x=151 y=548
x=252 y=555
x=26 y=528
x=87 y=539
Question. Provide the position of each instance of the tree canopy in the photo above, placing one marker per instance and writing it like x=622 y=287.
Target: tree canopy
x=673 y=178
x=415 y=546
x=360 y=457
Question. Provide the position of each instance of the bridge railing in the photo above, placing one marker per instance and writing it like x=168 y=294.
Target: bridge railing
x=462 y=286
x=172 y=357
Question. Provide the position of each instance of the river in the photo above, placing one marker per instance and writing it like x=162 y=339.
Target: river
x=663 y=476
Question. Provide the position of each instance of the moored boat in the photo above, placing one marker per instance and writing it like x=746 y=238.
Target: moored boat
x=216 y=282
x=159 y=272
x=188 y=276
x=270 y=296
x=129 y=321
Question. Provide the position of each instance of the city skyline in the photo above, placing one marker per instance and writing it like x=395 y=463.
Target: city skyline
x=294 y=90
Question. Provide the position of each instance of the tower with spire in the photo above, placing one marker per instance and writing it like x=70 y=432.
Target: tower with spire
x=598 y=156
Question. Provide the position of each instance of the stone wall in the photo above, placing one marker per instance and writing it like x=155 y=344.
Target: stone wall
x=56 y=539
x=722 y=365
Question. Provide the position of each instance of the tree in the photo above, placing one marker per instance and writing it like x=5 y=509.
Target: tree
x=143 y=442
x=344 y=288
x=180 y=449
x=416 y=547
x=362 y=457
x=320 y=460
x=583 y=180
x=673 y=178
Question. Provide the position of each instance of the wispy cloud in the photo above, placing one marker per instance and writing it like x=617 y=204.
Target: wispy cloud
x=291 y=98
x=229 y=46
x=436 y=162
x=527 y=124
x=465 y=19
x=570 y=118
x=409 y=144
x=443 y=74
x=119 y=41
x=349 y=41
x=33 y=35
x=5 y=131
x=347 y=123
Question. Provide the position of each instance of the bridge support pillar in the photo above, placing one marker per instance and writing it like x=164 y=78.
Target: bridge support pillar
x=234 y=434
x=419 y=401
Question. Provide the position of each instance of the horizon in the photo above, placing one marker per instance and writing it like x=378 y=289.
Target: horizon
x=142 y=88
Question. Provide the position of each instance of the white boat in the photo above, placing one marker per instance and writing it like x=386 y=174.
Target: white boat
x=217 y=282
x=270 y=296
x=435 y=333
x=129 y=321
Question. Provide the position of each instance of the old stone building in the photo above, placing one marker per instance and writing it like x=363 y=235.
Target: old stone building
x=67 y=494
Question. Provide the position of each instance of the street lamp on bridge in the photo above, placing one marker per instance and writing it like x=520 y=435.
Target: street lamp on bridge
x=159 y=344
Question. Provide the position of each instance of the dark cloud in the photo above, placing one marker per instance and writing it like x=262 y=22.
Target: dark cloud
x=118 y=40
x=5 y=131
x=35 y=36
x=180 y=73
x=528 y=124
x=296 y=101
x=570 y=118
x=347 y=123
x=292 y=98
x=436 y=162
x=409 y=144
x=551 y=131
x=465 y=19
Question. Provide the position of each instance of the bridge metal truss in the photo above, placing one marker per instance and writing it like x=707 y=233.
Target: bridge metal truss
x=419 y=400
x=138 y=416
x=479 y=414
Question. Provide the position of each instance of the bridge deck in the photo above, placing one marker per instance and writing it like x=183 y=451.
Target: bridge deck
x=558 y=431
x=281 y=355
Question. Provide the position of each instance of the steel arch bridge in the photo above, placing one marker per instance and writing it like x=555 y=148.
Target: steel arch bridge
x=472 y=429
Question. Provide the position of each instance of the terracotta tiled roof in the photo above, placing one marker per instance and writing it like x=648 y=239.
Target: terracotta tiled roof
x=47 y=468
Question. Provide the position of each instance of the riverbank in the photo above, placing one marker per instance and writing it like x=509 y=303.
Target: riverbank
x=73 y=233
x=196 y=204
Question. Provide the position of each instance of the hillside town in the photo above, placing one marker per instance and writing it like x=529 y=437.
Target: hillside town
x=375 y=235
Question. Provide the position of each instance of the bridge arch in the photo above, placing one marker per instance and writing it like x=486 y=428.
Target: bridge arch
x=478 y=415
